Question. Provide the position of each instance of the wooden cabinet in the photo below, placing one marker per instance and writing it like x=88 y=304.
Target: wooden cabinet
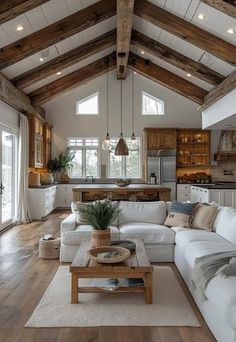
x=193 y=148
x=36 y=145
x=47 y=141
x=160 y=139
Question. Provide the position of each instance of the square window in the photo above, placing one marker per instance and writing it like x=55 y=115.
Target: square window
x=88 y=105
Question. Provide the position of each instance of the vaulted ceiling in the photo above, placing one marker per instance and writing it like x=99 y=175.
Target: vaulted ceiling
x=61 y=44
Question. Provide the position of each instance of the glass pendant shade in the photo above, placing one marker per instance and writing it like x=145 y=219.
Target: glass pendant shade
x=133 y=144
x=121 y=147
x=107 y=144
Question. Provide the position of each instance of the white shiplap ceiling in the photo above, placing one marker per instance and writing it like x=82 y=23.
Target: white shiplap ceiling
x=214 y=21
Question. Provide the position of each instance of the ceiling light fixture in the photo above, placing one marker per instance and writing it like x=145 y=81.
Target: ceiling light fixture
x=189 y=75
x=19 y=28
x=133 y=141
x=41 y=59
x=106 y=144
x=142 y=52
x=58 y=73
x=230 y=31
x=201 y=16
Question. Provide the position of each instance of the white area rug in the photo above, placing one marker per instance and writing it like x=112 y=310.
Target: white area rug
x=170 y=307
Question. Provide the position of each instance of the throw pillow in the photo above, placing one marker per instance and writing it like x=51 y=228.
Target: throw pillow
x=180 y=214
x=203 y=216
x=75 y=210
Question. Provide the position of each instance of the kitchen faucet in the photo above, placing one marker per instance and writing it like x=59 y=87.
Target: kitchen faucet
x=90 y=177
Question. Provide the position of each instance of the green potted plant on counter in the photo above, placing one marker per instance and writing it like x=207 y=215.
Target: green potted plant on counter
x=99 y=215
x=65 y=160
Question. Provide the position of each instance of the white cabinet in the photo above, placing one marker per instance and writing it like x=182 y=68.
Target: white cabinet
x=224 y=197
x=183 y=192
x=42 y=201
x=64 y=195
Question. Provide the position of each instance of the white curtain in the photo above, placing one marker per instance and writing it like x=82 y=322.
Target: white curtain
x=23 y=215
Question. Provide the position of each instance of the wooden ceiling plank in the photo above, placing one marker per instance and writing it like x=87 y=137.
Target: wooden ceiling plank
x=175 y=58
x=56 y=32
x=125 y=10
x=67 y=59
x=227 y=7
x=186 y=31
x=219 y=91
x=167 y=79
x=72 y=80
x=11 y=9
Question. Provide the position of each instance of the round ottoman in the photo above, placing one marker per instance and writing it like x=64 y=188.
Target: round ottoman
x=49 y=249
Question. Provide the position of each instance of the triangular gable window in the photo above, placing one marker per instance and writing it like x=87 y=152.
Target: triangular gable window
x=88 y=105
x=151 y=105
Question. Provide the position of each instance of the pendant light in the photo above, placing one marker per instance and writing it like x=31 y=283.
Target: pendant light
x=107 y=144
x=133 y=141
x=121 y=147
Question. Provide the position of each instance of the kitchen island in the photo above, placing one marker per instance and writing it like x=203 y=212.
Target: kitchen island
x=132 y=192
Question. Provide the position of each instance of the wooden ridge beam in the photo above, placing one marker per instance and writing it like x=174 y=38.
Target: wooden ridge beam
x=186 y=31
x=10 y=9
x=56 y=32
x=227 y=7
x=67 y=59
x=219 y=91
x=72 y=80
x=167 y=79
x=125 y=10
x=175 y=58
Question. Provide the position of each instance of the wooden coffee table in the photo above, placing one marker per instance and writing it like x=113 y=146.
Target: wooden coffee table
x=136 y=266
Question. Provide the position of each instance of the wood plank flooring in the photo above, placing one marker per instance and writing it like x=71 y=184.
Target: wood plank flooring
x=24 y=278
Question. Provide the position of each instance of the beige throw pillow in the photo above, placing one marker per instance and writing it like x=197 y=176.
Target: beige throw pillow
x=177 y=220
x=203 y=217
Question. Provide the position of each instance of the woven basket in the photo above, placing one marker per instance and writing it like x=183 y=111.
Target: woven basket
x=123 y=254
x=100 y=238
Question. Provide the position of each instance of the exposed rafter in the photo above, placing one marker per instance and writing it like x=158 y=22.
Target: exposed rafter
x=74 y=79
x=220 y=91
x=9 y=9
x=67 y=59
x=125 y=10
x=167 y=79
x=175 y=58
x=227 y=7
x=56 y=32
x=186 y=31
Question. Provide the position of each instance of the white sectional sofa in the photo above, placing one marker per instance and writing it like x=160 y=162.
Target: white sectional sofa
x=180 y=245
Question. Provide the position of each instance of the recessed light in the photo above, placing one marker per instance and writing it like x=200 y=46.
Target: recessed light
x=230 y=31
x=58 y=73
x=189 y=75
x=135 y=72
x=142 y=52
x=201 y=16
x=41 y=59
x=19 y=28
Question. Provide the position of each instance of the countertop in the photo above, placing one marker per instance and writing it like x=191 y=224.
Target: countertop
x=226 y=186
x=138 y=186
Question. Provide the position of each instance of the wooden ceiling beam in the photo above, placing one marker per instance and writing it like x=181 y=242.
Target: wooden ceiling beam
x=72 y=80
x=219 y=91
x=10 y=9
x=175 y=58
x=167 y=79
x=67 y=59
x=227 y=7
x=125 y=10
x=186 y=31
x=56 y=32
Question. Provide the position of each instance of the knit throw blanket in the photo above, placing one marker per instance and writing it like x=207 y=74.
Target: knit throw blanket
x=208 y=266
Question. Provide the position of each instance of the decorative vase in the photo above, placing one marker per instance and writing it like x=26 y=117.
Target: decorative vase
x=100 y=238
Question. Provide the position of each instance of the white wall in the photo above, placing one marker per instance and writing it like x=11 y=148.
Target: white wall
x=60 y=112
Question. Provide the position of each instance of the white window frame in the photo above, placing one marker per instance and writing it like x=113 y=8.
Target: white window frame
x=123 y=161
x=86 y=99
x=155 y=99
x=83 y=148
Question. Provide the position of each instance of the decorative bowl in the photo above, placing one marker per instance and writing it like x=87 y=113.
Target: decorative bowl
x=108 y=254
x=123 y=182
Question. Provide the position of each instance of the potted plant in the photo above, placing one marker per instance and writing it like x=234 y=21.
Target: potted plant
x=65 y=159
x=99 y=215
x=54 y=167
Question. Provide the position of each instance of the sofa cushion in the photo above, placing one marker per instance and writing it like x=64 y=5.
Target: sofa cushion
x=180 y=214
x=198 y=249
x=148 y=232
x=148 y=212
x=187 y=236
x=83 y=232
x=203 y=216
x=225 y=224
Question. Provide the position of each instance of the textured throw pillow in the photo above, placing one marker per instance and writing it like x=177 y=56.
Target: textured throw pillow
x=179 y=215
x=203 y=216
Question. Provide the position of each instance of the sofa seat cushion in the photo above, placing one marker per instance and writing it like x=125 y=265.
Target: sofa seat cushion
x=221 y=292
x=83 y=232
x=187 y=236
x=148 y=232
x=151 y=212
x=198 y=249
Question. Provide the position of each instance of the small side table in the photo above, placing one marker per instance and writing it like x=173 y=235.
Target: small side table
x=49 y=249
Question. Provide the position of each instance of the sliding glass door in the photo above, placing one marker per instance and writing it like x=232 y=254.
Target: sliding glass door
x=8 y=174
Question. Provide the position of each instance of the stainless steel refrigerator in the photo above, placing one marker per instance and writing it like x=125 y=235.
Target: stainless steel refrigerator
x=163 y=164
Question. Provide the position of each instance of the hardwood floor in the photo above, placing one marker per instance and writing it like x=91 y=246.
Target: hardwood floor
x=24 y=278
